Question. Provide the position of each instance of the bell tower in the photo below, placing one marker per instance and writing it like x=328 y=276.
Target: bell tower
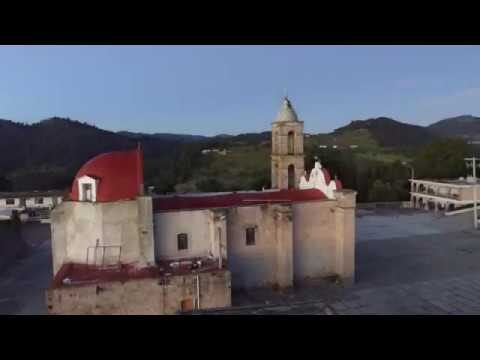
x=287 y=148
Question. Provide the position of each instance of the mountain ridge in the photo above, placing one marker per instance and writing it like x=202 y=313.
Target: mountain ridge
x=46 y=154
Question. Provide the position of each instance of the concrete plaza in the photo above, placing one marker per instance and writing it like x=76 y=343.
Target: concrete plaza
x=407 y=262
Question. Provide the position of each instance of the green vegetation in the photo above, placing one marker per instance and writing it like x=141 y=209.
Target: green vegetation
x=443 y=158
x=47 y=155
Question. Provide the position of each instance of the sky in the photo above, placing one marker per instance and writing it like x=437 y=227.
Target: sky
x=209 y=90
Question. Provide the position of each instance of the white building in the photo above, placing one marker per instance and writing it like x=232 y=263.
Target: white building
x=441 y=195
x=34 y=205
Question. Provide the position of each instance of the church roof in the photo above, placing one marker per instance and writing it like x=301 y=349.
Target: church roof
x=120 y=175
x=287 y=112
x=223 y=200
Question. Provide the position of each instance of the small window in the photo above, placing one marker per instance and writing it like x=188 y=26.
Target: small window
x=250 y=236
x=39 y=200
x=10 y=201
x=87 y=192
x=182 y=241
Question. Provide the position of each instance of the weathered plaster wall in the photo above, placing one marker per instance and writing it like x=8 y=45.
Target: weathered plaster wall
x=205 y=229
x=78 y=225
x=324 y=238
x=345 y=219
x=142 y=296
x=314 y=244
x=269 y=262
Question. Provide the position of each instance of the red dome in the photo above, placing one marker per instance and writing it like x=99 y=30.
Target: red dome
x=119 y=175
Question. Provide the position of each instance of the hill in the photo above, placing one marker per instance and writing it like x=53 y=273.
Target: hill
x=47 y=154
x=180 y=138
x=390 y=133
x=464 y=126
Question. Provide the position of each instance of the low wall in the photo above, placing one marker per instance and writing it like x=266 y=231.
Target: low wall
x=159 y=296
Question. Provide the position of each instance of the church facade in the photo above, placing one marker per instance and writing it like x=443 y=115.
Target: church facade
x=201 y=244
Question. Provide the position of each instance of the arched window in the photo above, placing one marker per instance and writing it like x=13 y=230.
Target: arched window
x=291 y=148
x=291 y=176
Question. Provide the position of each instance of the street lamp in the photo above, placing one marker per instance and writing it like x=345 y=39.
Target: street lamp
x=472 y=162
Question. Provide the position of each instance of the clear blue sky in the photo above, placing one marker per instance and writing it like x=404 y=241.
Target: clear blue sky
x=232 y=89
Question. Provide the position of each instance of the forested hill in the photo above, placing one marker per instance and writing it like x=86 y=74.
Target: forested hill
x=47 y=154
x=391 y=133
x=465 y=126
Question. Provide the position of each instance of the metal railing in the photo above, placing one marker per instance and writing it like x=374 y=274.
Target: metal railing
x=104 y=255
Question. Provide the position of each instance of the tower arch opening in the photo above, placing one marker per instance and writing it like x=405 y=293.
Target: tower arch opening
x=291 y=143
x=291 y=176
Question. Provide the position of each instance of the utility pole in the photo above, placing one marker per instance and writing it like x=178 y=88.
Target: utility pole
x=474 y=166
x=404 y=163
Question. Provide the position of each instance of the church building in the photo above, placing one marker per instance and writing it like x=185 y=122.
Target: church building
x=117 y=250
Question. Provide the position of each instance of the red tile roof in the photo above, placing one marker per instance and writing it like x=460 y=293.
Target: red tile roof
x=234 y=199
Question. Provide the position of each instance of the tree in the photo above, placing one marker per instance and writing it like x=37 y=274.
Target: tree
x=443 y=158
x=5 y=184
x=381 y=191
x=209 y=185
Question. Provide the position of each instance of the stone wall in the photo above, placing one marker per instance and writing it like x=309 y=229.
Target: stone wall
x=163 y=296
x=281 y=159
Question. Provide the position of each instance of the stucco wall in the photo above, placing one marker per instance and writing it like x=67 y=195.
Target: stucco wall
x=269 y=261
x=78 y=225
x=142 y=296
x=202 y=228
x=314 y=228
x=193 y=223
x=466 y=194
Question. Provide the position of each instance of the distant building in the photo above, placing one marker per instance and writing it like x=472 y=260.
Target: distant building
x=215 y=151
x=441 y=195
x=37 y=204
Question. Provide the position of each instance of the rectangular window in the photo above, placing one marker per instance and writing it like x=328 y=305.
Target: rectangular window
x=250 y=236
x=10 y=201
x=87 y=192
x=182 y=241
x=39 y=200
